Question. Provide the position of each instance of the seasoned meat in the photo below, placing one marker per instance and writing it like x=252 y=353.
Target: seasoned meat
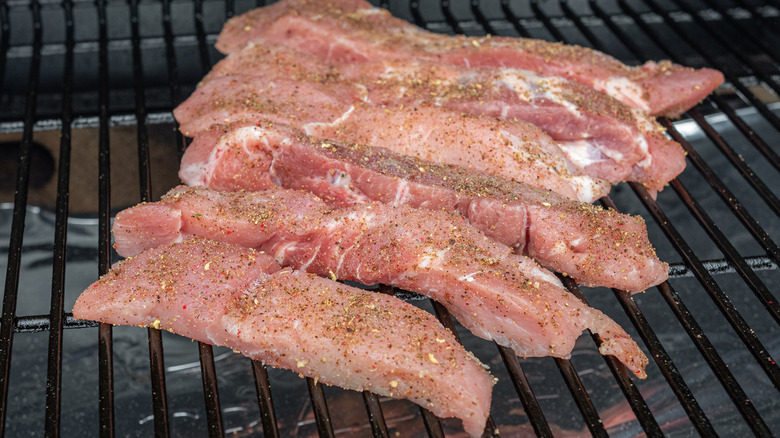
x=233 y=296
x=494 y=293
x=594 y=246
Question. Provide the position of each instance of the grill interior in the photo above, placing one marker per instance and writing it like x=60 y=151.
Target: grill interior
x=86 y=129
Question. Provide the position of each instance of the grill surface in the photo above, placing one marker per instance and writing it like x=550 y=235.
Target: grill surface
x=102 y=77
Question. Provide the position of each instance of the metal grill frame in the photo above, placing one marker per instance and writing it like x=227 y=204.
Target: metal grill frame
x=703 y=271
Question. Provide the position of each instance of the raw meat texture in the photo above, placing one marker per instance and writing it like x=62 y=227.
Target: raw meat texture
x=594 y=246
x=494 y=293
x=232 y=296
x=601 y=136
x=355 y=31
x=513 y=150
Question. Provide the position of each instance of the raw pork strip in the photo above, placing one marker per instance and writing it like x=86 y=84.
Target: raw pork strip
x=594 y=246
x=494 y=293
x=600 y=135
x=232 y=296
x=354 y=31
x=513 y=150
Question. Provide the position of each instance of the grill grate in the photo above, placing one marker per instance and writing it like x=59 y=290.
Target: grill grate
x=736 y=37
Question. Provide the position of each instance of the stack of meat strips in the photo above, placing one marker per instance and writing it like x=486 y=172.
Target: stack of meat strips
x=336 y=142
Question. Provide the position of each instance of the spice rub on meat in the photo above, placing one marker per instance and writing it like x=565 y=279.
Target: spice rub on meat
x=494 y=293
x=355 y=31
x=514 y=150
x=232 y=296
x=596 y=247
x=600 y=135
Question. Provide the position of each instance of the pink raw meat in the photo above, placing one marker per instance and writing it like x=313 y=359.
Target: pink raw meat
x=494 y=293
x=513 y=150
x=600 y=135
x=355 y=31
x=233 y=296
x=596 y=247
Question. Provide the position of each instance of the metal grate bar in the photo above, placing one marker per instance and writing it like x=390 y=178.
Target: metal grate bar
x=734 y=158
x=728 y=310
x=451 y=20
x=747 y=274
x=506 y=8
x=263 y=387
x=720 y=188
x=532 y=408
x=740 y=54
x=739 y=25
x=481 y=19
x=57 y=315
x=584 y=30
x=11 y=291
x=105 y=340
x=156 y=358
x=375 y=416
x=553 y=29
x=210 y=392
x=716 y=363
x=173 y=73
x=203 y=48
x=432 y=424
x=622 y=376
x=320 y=408
x=581 y=398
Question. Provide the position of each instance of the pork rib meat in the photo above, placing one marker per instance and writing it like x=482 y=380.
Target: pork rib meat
x=355 y=31
x=600 y=135
x=494 y=293
x=514 y=150
x=594 y=246
x=227 y=295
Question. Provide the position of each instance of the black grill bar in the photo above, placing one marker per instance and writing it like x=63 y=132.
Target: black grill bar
x=720 y=188
x=581 y=398
x=105 y=339
x=532 y=408
x=506 y=8
x=11 y=291
x=263 y=387
x=733 y=157
x=200 y=33
x=747 y=274
x=728 y=310
x=173 y=72
x=156 y=357
x=210 y=391
x=623 y=377
x=740 y=26
x=375 y=416
x=57 y=315
x=758 y=142
x=716 y=363
x=726 y=42
x=320 y=408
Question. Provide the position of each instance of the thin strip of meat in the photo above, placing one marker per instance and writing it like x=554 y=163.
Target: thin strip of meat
x=513 y=150
x=594 y=246
x=494 y=293
x=355 y=31
x=600 y=135
x=232 y=296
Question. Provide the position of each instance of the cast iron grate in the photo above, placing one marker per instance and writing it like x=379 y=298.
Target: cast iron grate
x=740 y=38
